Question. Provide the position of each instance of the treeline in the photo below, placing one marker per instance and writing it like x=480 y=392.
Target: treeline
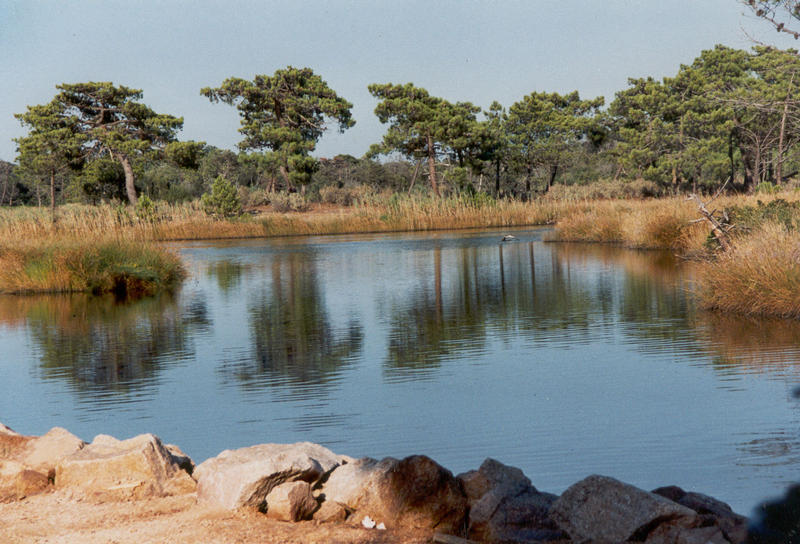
x=731 y=115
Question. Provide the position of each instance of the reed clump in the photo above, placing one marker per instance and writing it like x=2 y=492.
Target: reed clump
x=124 y=267
x=648 y=224
x=759 y=276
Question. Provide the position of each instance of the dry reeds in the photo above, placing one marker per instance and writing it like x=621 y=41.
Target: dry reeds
x=110 y=265
x=759 y=276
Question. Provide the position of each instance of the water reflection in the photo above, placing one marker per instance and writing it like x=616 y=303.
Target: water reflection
x=347 y=340
x=98 y=343
x=293 y=341
x=228 y=274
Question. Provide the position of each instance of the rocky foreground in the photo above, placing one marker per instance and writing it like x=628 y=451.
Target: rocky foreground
x=57 y=488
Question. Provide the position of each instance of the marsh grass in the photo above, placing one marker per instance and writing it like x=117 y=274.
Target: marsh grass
x=759 y=276
x=124 y=267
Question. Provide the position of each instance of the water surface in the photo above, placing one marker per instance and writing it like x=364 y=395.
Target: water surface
x=562 y=359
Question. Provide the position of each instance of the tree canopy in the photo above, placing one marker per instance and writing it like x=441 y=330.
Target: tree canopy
x=114 y=122
x=285 y=114
x=544 y=127
x=52 y=146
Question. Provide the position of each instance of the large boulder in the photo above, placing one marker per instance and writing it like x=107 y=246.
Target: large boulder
x=12 y=443
x=604 y=510
x=505 y=507
x=414 y=492
x=244 y=477
x=291 y=501
x=670 y=534
x=17 y=481
x=710 y=510
x=139 y=467
x=44 y=452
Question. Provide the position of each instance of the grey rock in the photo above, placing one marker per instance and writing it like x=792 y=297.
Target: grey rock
x=505 y=507
x=669 y=534
x=244 y=477
x=600 y=509
x=711 y=511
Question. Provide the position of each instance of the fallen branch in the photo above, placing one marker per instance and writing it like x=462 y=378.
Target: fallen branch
x=718 y=228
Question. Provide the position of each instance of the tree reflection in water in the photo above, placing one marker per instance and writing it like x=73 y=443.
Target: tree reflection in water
x=96 y=343
x=294 y=343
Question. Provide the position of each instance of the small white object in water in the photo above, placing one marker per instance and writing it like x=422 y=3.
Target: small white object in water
x=368 y=522
x=380 y=526
x=509 y=237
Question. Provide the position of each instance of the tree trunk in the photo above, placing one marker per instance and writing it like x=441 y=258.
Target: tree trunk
x=779 y=165
x=432 y=165
x=749 y=175
x=53 y=197
x=130 y=188
x=527 y=184
x=553 y=174
x=497 y=178
x=414 y=177
x=285 y=175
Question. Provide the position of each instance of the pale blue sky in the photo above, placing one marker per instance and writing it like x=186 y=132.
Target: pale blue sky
x=461 y=50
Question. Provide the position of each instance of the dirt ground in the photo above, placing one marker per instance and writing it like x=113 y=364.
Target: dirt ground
x=58 y=517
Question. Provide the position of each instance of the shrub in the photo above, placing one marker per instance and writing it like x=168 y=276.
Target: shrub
x=146 y=209
x=766 y=187
x=289 y=202
x=346 y=196
x=223 y=200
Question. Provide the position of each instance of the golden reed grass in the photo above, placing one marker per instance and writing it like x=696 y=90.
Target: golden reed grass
x=759 y=276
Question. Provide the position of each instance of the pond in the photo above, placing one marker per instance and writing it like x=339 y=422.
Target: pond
x=561 y=359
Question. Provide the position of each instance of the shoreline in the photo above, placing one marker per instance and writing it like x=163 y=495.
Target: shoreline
x=55 y=486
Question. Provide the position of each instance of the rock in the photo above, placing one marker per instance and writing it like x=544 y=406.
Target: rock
x=414 y=492
x=670 y=534
x=183 y=461
x=244 y=477
x=291 y=501
x=139 y=467
x=330 y=511
x=493 y=474
x=12 y=444
x=7 y=430
x=17 y=481
x=44 y=452
x=505 y=507
x=711 y=511
x=603 y=509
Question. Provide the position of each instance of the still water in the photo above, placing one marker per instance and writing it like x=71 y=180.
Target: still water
x=561 y=359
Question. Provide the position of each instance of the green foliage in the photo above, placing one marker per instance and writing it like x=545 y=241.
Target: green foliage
x=185 y=154
x=545 y=128
x=780 y=211
x=223 y=200
x=422 y=126
x=284 y=114
x=145 y=208
x=767 y=188
x=111 y=121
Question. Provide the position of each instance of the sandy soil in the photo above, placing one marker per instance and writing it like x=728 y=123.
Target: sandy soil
x=61 y=517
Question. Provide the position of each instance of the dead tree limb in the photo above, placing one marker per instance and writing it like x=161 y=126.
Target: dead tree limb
x=719 y=229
